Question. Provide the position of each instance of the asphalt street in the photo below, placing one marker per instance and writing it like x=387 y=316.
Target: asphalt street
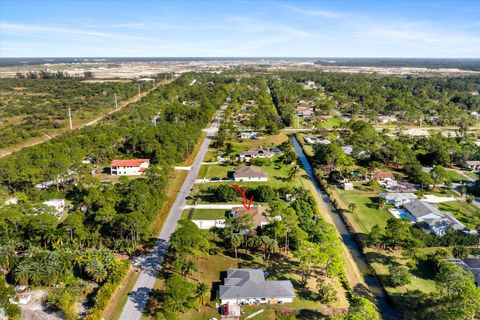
x=150 y=265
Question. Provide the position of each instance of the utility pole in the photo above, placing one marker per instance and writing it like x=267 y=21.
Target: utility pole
x=70 y=118
x=116 y=103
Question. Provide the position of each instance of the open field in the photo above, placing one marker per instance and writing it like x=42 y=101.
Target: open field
x=469 y=215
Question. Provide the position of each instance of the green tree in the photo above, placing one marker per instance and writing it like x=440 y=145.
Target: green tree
x=398 y=275
x=438 y=174
x=179 y=295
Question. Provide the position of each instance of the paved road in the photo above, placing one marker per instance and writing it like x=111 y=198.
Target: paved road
x=151 y=264
x=355 y=252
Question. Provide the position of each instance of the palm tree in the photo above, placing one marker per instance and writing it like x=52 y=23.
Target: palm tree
x=294 y=172
x=21 y=273
x=203 y=293
x=96 y=270
x=352 y=207
x=381 y=203
x=187 y=268
x=236 y=241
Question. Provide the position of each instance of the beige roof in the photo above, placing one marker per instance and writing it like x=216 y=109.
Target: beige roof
x=255 y=211
x=249 y=171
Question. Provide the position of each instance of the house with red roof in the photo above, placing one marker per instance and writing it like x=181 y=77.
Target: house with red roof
x=132 y=167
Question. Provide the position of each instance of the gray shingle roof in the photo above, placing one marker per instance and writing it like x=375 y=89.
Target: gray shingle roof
x=251 y=171
x=251 y=283
x=420 y=208
x=398 y=196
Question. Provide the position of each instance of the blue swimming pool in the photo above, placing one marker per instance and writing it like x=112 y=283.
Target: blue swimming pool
x=404 y=215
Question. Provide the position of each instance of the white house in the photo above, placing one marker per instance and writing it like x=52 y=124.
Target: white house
x=438 y=222
x=255 y=153
x=248 y=135
x=472 y=165
x=345 y=185
x=248 y=286
x=57 y=204
x=398 y=198
x=249 y=173
x=132 y=167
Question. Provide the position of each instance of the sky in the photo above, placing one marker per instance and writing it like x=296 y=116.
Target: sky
x=148 y=28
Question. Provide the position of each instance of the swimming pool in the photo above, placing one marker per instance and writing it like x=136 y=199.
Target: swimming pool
x=404 y=215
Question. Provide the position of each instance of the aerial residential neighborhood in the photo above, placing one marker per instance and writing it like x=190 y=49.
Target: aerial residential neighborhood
x=235 y=160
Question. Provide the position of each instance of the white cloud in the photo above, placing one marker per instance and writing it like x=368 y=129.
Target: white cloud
x=35 y=30
x=315 y=12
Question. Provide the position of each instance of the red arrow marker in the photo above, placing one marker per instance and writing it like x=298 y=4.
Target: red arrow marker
x=246 y=203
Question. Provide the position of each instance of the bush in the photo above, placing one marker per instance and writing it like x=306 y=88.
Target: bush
x=224 y=193
x=264 y=193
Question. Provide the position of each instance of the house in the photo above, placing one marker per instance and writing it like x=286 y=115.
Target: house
x=57 y=204
x=255 y=153
x=384 y=177
x=133 y=167
x=309 y=85
x=416 y=132
x=398 y=198
x=304 y=110
x=257 y=213
x=248 y=286
x=248 y=135
x=472 y=165
x=345 y=185
x=436 y=221
x=12 y=201
x=469 y=264
x=249 y=173
x=348 y=150
x=386 y=119
x=311 y=140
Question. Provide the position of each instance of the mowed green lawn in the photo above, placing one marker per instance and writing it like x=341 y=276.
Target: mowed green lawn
x=205 y=214
x=277 y=173
x=469 y=215
x=367 y=213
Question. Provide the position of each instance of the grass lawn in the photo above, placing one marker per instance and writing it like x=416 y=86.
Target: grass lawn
x=114 y=310
x=455 y=176
x=367 y=213
x=264 y=141
x=205 y=214
x=421 y=277
x=277 y=173
x=331 y=122
x=469 y=215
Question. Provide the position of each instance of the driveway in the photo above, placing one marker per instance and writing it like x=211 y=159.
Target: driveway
x=152 y=262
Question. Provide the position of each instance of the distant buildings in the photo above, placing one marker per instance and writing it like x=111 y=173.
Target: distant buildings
x=472 y=165
x=58 y=205
x=315 y=140
x=386 y=119
x=248 y=286
x=248 y=135
x=129 y=167
x=416 y=132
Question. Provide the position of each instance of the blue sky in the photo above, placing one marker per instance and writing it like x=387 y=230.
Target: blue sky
x=239 y=28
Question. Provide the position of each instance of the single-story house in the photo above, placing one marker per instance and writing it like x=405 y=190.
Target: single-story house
x=57 y=204
x=345 y=185
x=311 y=140
x=384 y=176
x=248 y=135
x=12 y=201
x=133 y=167
x=310 y=85
x=386 y=119
x=249 y=173
x=416 y=132
x=348 y=150
x=438 y=222
x=469 y=264
x=472 y=165
x=248 y=286
x=257 y=213
x=398 y=198
x=255 y=153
